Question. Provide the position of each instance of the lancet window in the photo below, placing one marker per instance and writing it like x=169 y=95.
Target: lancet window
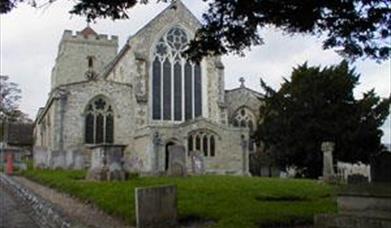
x=203 y=142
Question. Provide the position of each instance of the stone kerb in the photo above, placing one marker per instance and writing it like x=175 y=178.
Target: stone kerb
x=44 y=213
x=156 y=207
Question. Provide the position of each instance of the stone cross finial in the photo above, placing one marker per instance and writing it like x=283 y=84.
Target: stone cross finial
x=242 y=80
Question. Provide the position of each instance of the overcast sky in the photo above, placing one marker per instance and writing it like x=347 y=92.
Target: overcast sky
x=30 y=37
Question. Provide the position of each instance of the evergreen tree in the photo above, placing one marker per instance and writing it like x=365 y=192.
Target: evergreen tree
x=318 y=105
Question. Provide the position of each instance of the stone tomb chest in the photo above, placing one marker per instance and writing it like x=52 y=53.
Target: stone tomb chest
x=106 y=162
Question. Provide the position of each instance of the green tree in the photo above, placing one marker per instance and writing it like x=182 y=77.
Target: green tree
x=318 y=105
x=355 y=28
x=9 y=99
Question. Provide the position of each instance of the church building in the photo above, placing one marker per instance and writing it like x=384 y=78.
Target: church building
x=145 y=98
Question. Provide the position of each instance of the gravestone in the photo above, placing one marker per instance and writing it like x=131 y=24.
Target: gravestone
x=177 y=160
x=156 y=207
x=381 y=168
x=357 y=179
x=364 y=205
x=106 y=162
x=328 y=168
x=197 y=162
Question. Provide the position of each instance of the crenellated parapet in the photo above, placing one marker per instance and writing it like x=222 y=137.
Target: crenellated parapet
x=82 y=56
x=82 y=36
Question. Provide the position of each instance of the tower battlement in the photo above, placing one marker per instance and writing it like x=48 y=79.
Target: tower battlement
x=80 y=52
x=89 y=35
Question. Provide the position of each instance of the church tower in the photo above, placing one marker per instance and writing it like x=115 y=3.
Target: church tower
x=82 y=56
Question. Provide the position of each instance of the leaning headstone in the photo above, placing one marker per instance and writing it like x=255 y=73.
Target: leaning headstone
x=177 y=159
x=156 y=207
x=328 y=168
x=380 y=168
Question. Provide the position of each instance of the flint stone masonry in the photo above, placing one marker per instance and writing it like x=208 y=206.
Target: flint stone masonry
x=156 y=207
x=45 y=213
x=124 y=79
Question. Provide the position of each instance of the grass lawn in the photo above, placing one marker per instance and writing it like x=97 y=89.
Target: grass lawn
x=229 y=201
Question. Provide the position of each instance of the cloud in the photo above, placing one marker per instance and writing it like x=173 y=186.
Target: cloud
x=30 y=37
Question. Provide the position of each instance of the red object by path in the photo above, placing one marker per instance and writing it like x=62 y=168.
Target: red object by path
x=10 y=164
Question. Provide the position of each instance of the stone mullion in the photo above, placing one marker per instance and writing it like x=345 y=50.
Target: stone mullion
x=209 y=146
x=193 y=91
x=183 y=88
x=172 y=63
x=161 y=88
x=104 y=126
x=202 y=144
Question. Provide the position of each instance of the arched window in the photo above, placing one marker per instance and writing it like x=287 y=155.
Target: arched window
x=99 y=122
x=204 y=142
x=244 y=118
x=176 y=82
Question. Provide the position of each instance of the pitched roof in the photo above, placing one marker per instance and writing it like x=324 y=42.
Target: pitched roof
x=87 y=31
x=256 y=93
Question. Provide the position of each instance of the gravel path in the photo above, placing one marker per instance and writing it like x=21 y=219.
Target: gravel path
x=84 y=213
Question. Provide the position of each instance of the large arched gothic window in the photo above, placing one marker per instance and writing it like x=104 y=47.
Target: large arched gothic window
x=99 y=122
x=176 y=82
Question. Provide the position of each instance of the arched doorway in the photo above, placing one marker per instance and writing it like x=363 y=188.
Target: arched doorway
x=167 y=152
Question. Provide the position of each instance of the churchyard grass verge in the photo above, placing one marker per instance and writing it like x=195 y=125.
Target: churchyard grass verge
x=229 y=201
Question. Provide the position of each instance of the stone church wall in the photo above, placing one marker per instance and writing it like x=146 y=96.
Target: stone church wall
x=72 y=62
x=135 y=66
x=68 y=148
x=147 y=157
x=242 y=97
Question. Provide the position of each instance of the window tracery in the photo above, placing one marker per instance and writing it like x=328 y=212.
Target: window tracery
x=244 y=118
x=176 y=82
x=99 y=122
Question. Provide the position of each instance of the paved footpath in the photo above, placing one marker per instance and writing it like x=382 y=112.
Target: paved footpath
x=14 y=214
